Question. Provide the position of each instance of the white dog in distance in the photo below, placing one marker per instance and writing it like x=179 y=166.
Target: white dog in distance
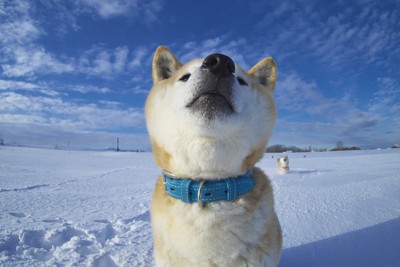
x=283 y=164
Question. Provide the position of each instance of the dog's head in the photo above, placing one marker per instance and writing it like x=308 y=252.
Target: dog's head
x=283 y=161
x=209 y=117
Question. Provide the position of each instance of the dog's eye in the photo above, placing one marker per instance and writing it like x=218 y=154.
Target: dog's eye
x=185 y=77
x=241 y=81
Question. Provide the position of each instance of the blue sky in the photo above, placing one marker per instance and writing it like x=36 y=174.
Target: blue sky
x=78 y=71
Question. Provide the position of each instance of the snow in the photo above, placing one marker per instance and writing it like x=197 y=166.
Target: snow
x=88 y=208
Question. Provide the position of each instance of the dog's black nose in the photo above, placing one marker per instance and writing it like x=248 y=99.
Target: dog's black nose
x=219 y=64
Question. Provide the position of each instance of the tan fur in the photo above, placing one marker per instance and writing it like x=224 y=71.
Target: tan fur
x=243 y=232
x=253 y=157
x=163 y=158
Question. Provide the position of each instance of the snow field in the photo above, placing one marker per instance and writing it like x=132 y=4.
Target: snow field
x=70 y=208
x=86 y=208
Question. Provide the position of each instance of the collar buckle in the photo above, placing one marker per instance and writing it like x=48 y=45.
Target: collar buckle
x=199 y=197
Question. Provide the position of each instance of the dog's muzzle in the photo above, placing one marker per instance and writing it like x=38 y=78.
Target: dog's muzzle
x=213 y=95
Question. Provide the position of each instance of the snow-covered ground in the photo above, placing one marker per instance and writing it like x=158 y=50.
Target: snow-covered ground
x=85 y=208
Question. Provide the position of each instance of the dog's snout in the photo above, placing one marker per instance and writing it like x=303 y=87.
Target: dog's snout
x=219 y=64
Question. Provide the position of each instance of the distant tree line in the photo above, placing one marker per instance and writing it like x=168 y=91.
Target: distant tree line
x=283 y=148
x=340 y=147
x=345 y=148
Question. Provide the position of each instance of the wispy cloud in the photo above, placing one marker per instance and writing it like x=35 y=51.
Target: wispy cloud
x=106 y=9
x=54 y=136
x=33 y=60
x=387 y=97
x=84 y=89
x=63 y=14
x=32 y=115
x=55 y=111
x=22 y=31
x=139 y=90
x=347 y=41
x=385 y=105
x=51 y=89
x=23 y=55
x=138 y=58
x=13 y=85
x=103 y=62
x=17 y=85
x=356 y=33
x=27 y=61
x=17 y=25
x=308 y=114
x=295 y=94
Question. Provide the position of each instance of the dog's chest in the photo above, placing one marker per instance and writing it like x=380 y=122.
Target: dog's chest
x=215 y=231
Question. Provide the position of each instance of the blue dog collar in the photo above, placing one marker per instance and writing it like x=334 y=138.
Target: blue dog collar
x=202 y=191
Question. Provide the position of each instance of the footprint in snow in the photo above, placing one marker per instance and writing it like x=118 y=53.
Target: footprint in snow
x=17 y=214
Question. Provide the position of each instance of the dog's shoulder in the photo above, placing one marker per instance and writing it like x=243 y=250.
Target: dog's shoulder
x=262 y=192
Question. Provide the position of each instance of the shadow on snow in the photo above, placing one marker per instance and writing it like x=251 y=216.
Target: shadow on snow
x=377 y=245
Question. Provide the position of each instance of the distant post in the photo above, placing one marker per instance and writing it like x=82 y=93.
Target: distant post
x=117 y=144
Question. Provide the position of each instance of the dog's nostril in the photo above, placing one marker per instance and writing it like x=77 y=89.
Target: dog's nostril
x=211 y=60
x=219 y=64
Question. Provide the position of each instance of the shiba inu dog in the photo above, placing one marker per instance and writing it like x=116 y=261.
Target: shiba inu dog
x=283 y=164
x=209 y=122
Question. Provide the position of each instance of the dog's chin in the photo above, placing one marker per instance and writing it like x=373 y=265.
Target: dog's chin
x=211 y=106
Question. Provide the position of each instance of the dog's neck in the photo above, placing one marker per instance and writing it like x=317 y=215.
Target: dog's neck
x=208 y=158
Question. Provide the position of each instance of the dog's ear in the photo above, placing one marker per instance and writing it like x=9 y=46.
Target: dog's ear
x=265 y=72
x=165 y=64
